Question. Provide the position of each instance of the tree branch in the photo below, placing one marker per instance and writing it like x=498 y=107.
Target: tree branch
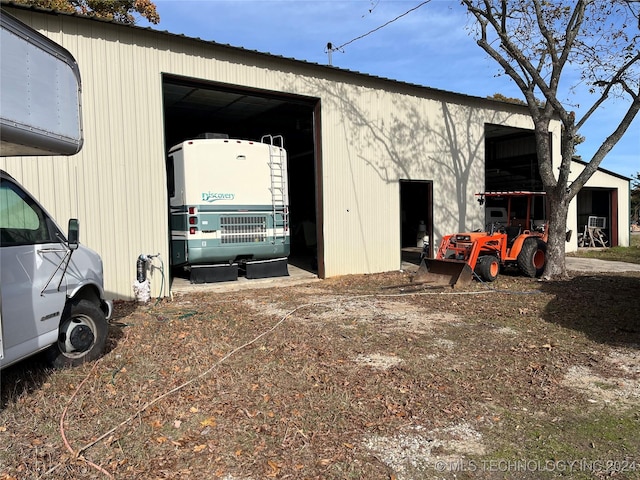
x=606 y=147
x=617 y=79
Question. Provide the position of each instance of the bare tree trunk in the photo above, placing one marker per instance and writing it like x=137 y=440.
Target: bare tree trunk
x=558 y=196
x=559 y=210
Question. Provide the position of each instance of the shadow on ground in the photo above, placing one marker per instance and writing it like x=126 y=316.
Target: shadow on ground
x=605 y=307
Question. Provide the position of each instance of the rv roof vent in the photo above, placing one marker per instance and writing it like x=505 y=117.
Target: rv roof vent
x=212 y=135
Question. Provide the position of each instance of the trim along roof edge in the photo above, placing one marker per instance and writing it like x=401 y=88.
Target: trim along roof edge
x=600 y=169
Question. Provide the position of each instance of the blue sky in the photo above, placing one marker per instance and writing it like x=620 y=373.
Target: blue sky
x=429 y=46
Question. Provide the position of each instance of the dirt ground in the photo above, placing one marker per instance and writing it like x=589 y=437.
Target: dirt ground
x=357 y=377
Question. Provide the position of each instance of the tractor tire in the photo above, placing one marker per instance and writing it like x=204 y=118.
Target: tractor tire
x=488 y=267
x=533 y=257
x=82 y=336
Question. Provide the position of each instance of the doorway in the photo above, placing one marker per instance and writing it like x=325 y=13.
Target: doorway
x=416 y=219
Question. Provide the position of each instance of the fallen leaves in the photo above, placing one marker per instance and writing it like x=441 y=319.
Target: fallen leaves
x=208 y=422
x=274 y=468
x=298 y=403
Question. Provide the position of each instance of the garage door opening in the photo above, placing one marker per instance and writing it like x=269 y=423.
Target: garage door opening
x=511 y=161
x=194 y=108
x=597 y=217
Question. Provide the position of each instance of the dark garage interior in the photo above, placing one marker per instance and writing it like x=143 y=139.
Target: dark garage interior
x=511 y=161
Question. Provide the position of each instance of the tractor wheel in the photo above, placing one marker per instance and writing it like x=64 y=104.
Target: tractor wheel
x=488 y=267
x=533 y=257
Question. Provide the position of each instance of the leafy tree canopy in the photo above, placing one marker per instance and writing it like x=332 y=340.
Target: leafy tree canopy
x=118 y=10
x=504 y=98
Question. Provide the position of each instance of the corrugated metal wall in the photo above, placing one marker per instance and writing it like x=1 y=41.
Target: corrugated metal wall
x=374 y=133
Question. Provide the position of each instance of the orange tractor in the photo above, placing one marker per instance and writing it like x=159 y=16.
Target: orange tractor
x=516 y=235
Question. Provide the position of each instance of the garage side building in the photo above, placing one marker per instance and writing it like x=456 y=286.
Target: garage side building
x=367 y=137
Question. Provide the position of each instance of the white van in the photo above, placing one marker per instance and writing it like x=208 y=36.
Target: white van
x=52 y=293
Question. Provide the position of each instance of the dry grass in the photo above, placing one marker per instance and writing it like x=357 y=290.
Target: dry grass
x=343 y=378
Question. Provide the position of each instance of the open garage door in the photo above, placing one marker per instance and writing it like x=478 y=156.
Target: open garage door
x=511 y=161
x=193 y=107
x=597 y=217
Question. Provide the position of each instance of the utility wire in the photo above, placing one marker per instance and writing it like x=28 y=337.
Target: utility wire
x=331 y=48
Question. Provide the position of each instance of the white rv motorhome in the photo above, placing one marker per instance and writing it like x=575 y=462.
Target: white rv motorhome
x=229 y=207
x=51 y=287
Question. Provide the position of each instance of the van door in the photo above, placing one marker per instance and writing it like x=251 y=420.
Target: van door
x=33 y=257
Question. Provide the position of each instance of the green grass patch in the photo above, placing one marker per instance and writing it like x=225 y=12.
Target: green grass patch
x=594 y=444
x=629 y=254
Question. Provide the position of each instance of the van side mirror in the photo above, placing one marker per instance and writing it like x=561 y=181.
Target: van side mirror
x=73 y=234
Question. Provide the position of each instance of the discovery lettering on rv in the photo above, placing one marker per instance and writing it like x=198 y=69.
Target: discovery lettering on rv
x=213 y=196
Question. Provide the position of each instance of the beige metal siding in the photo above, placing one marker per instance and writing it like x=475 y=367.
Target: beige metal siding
x=115 y=185
x=379 y=137
x=374 y=134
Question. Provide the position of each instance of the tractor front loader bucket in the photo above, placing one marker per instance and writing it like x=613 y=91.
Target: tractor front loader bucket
x=443 y=272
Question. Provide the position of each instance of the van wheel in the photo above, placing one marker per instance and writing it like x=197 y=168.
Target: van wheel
x=533 y=257
x=488 y=267
x=82 y=335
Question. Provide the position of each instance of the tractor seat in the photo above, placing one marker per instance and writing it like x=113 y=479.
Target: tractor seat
x=512 y=233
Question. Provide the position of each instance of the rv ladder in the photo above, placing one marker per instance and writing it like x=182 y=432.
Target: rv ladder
x=278 y=186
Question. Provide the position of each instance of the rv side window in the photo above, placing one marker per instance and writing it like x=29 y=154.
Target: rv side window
x=22 y=221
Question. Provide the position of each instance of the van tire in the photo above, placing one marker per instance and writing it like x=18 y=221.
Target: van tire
x=82 y=335
x=533 y=257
